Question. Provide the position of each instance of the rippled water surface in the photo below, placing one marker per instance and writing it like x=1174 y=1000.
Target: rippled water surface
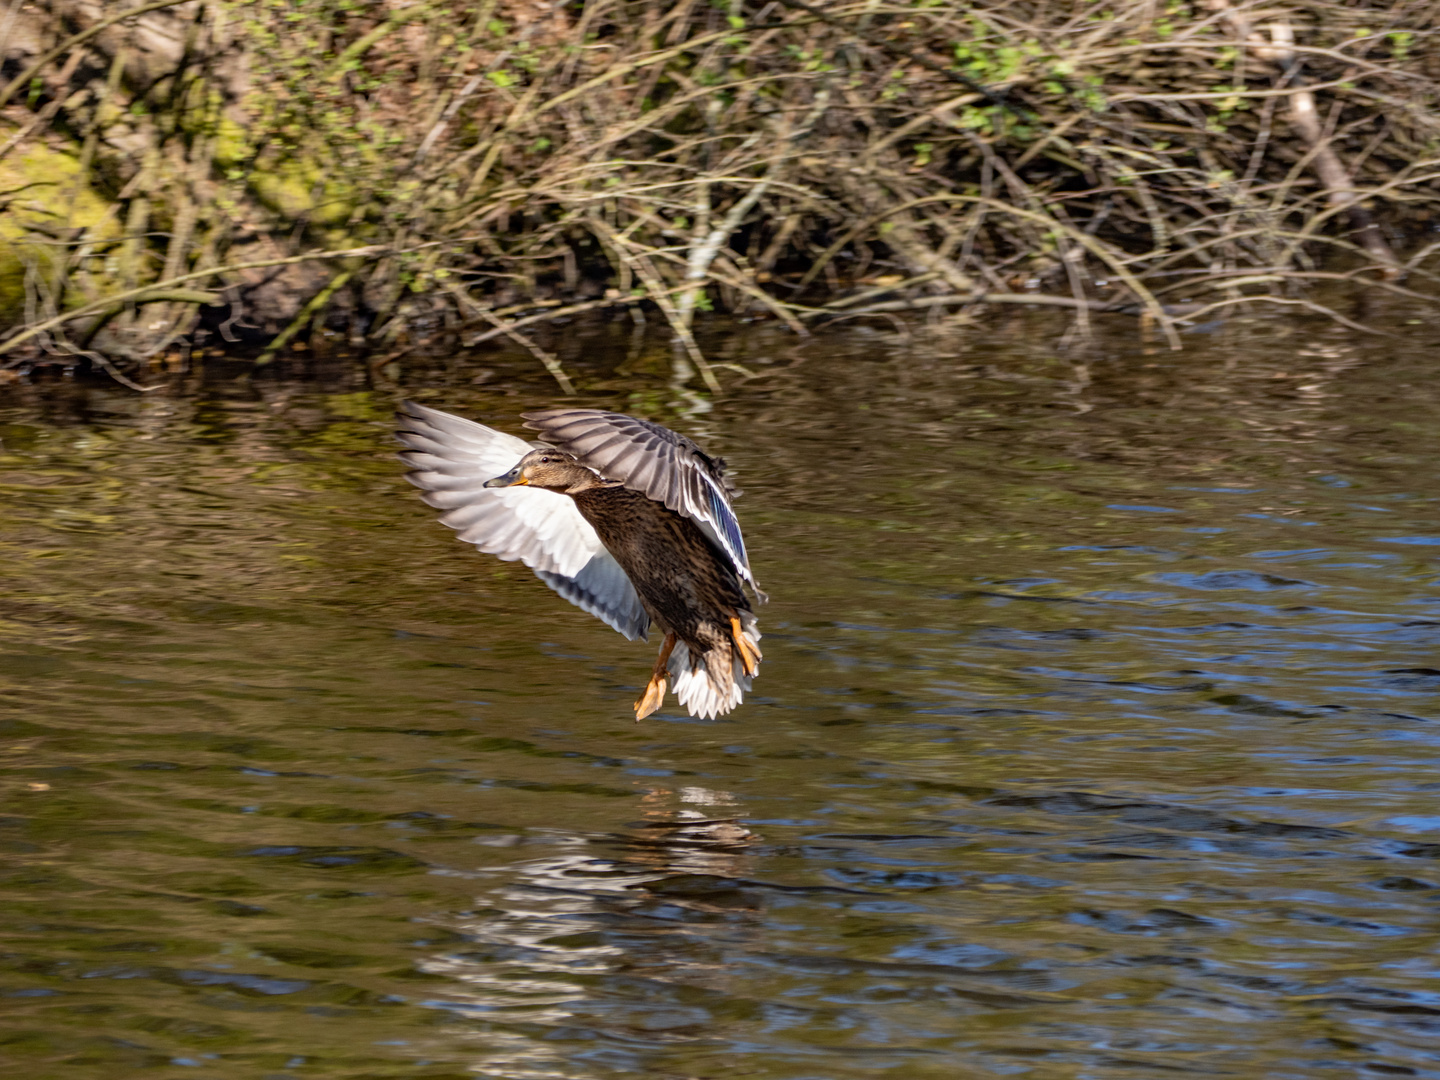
x=1096 y=738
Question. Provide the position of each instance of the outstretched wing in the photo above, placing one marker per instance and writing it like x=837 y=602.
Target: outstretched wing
x=450 y=459
x=658 y=463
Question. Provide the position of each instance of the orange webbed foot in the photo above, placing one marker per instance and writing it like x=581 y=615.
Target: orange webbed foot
x=652 y=699
x=654 y=695
x=750 y=656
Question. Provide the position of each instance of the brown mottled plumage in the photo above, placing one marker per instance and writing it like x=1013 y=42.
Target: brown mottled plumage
x=687 y=585
x=653 y=531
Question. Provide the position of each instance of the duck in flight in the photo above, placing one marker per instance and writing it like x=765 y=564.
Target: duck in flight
x=624 y=518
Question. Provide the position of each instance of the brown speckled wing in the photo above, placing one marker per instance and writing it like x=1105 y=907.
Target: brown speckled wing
x=655 y=461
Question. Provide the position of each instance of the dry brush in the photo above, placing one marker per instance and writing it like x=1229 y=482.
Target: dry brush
x=424 y=172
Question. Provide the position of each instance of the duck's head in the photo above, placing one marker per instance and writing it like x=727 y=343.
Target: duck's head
x=550 y=469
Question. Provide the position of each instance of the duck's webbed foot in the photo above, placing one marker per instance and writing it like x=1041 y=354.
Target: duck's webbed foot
x=654 y=695
x=749 y=652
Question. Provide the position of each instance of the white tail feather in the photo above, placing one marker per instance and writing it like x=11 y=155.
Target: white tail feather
x=701 y=695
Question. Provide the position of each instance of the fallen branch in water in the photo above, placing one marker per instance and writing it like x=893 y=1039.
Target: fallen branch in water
x=925 y=302
x=549 y=360
x=1287 y=301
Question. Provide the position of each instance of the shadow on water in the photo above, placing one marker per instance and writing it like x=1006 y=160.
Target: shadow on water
x=1097 y=735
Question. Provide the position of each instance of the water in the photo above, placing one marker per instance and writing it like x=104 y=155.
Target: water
x=1096 y=737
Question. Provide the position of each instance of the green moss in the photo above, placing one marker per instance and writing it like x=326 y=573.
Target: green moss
x=290 y=186
x=232 y=144
x=43 y=194
x=297 y=188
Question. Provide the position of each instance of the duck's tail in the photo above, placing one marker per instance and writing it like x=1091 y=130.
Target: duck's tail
x=714 y=681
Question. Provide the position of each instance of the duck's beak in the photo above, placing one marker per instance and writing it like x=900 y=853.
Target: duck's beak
x=509 y=479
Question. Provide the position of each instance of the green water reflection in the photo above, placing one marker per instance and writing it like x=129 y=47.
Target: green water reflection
x=1097 y=735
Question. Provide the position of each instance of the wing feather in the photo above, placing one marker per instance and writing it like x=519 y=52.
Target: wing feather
x=659 y=463
x=450 y=459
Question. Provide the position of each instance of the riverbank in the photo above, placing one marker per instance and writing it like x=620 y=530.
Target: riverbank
x=419 y=176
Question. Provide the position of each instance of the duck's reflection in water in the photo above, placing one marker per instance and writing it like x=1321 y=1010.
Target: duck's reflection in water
x=595 y=959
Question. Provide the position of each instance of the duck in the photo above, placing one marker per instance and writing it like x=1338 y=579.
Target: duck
x=629 y=521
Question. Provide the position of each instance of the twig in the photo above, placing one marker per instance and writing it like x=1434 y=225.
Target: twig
x=23 y=79
x=551 y=362
x=43 y=117
x=1116 y=264
x=879 y=290
x=1286 y=301
x=1226 y=95
x=556 y=313
x=28 y=332
x=176 y=296
x=110 y=369
x=924 y=302
x=306 y=313
x=661 y=295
